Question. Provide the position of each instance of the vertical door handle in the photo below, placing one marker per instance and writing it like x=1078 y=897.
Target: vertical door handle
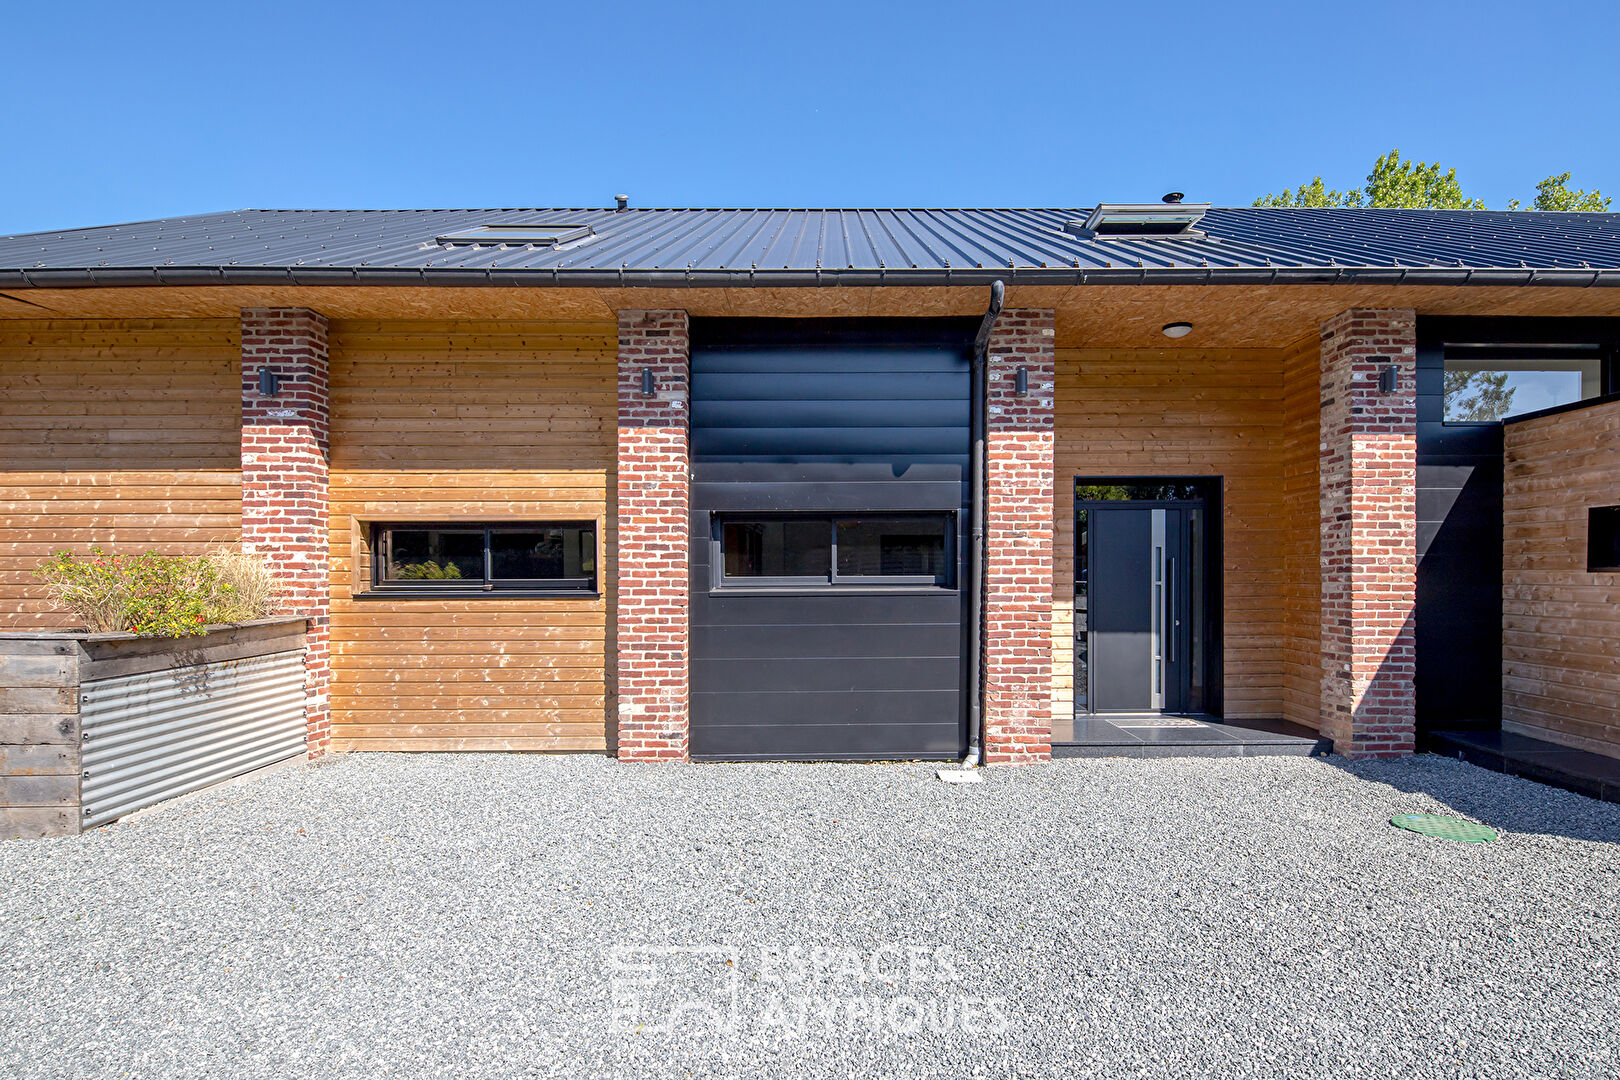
x=1174 y=616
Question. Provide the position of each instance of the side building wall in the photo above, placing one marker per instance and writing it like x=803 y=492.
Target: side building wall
x=123 y=433
x=477 y=421
x=1202 y=412
x=1560 y=623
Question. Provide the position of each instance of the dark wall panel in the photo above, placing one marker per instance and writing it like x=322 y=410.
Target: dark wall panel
x=828 y=416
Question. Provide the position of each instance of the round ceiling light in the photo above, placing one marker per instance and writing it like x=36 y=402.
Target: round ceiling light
x=1177 y=329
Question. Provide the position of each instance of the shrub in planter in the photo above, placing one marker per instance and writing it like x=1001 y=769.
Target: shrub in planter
x=160 y=595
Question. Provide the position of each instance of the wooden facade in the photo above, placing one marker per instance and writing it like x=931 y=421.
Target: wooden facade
x=1560 y=622
x=118 y=432
x=1247 y=416
x=484 y=421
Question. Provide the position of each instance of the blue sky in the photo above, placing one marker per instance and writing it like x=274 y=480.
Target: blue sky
x=123 y=111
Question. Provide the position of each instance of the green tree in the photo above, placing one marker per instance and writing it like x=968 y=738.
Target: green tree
x=1554 y=193
x=1313 y=194
x=1392 y=183
x=1416 y=185
x=1476 y=395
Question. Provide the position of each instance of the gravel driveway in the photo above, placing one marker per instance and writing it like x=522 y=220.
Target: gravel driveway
x=458 y=916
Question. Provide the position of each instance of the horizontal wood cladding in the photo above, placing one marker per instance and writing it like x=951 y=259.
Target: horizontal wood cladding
x=470 y=421
x=1185 y=411
x=1302 y=561
x=1560 y=623
x=118 y=432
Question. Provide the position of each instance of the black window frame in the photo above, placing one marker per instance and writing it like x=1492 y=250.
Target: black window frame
x=1603 y=539
x=487 y=586
x=1594 y=348
x=832 y=580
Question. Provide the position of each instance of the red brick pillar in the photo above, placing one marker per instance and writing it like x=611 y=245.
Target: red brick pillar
x=1369 y=533
x=653 y=503
x=1018 y=569
x=284 y=482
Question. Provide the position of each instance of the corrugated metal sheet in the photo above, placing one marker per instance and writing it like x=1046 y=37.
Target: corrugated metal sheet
x=154 y=736
x=787 y=246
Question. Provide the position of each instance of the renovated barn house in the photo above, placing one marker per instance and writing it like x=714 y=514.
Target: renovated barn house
x=854 y=484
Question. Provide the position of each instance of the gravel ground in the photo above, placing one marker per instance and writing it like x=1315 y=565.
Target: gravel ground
x=384 y=915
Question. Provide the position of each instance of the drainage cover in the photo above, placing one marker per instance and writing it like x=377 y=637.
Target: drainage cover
x=1446 y=828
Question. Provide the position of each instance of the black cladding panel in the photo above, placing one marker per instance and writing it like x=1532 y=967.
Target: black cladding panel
x=830 y=417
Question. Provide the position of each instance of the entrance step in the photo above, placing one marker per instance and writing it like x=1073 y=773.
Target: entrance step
x=1152 y=735
x=1581 y=771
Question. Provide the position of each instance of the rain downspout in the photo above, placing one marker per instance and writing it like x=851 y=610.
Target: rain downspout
x=979 y=408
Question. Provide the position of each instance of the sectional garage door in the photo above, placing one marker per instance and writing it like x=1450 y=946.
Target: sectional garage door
x=829 y=528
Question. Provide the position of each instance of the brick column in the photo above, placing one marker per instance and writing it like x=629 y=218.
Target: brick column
x=1019 y=519
x=653 y=504
x=1369 y=533
x=284 y=483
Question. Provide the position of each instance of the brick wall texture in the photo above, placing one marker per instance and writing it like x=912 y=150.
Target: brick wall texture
x=653 y=505
x=1369 y=533
x=1019 y=508
x=284 y=482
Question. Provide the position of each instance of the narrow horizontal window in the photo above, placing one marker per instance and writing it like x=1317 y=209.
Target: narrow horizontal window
x=1484 y=384
x=456 y=558
x=792 y=550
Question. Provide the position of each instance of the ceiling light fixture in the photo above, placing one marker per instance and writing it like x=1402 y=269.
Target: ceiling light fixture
x=1176 y=329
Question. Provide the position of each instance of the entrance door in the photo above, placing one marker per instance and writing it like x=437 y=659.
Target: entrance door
x=1140 y=613
x=1141 y=580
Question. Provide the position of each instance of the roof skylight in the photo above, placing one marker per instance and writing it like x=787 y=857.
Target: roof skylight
x=545 y=234
x=1141 y=219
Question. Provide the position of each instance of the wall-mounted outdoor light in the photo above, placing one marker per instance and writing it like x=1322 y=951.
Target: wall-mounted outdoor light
x=269 y=382
x=647 y=382
x=1021 y=381
x=1176 y=329
x=1388 y=379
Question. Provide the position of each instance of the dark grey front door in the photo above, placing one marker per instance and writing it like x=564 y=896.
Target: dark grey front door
x=1139 y=596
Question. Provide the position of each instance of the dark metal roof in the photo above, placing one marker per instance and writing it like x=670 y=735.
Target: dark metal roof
x=821 y=247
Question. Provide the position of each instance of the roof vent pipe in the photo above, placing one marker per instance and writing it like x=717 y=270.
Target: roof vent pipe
x=1173 y=196
x=622 y=200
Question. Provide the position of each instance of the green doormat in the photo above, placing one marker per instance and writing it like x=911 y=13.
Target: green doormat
x=1446 y=828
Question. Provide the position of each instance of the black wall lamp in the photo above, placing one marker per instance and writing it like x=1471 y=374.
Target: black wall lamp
x=1388 y=379
x=646 y=382
x=1021 y=381
x=269 y=382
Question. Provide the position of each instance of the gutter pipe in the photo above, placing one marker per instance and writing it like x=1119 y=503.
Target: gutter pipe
x=451 y=277
x=976 y=503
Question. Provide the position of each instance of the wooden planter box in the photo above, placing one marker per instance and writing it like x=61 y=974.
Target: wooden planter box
x=94 y=726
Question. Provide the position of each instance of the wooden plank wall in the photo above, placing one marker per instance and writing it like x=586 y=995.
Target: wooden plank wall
x=1187 y=411
x=1302 y=557
x=471 y=421
x=118 y=432
x=1560 y=624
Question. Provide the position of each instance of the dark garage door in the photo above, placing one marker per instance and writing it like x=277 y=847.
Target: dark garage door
x=829 y=538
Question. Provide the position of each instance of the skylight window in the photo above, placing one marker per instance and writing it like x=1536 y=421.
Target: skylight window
x=542 y=234
x=1141 y=219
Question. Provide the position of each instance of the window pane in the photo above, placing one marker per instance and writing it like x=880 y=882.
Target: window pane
x=1169 y=491
x=435 y=555
x=1481 y=389
x=774 y=549
x=542 y=554
x=892 y=547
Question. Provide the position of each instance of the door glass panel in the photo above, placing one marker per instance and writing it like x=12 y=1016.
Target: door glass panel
x=435 y=555
x=892 y=547
x=777 y=549
x=1082 y=571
